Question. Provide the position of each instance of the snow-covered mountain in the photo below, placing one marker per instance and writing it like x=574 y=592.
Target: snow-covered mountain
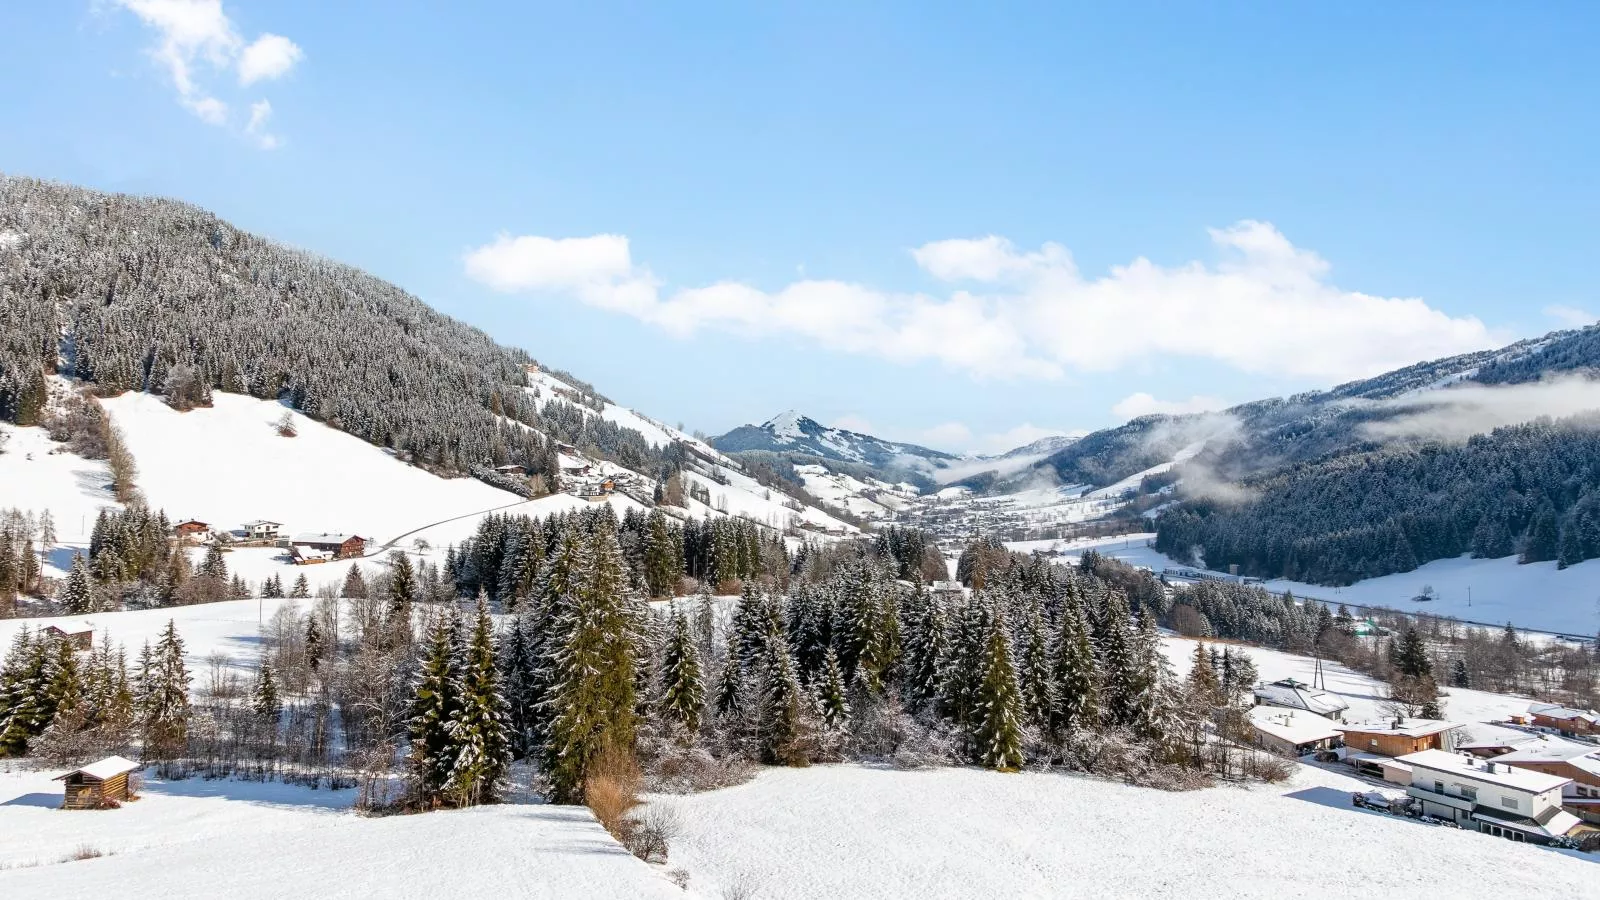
x=791 y=432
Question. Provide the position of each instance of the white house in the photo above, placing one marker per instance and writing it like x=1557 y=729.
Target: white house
x=1293 y=731
x=1489 y=796
x=262 y=530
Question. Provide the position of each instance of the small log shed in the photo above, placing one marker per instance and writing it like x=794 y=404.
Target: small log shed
x=93 y=785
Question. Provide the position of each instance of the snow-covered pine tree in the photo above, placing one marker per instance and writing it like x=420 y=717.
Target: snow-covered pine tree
x=832 y=701
x=781 y=721
x=315 y=649
x=518 y=676
x=478 y=728
x=164 y=707
x=302 y=588
x=272 y=587
x=959 y=670
x=930 y=642
x=77 y=595
x=1033 y=670
x=435 y=694
x=1204 y=685
x=1076 y=676
x=683 y=692
x=594 y=663
x=214 y=565
x=997 y=706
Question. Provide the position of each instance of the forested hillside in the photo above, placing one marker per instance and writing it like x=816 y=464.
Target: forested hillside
x=135 y=293
x=1532 y=489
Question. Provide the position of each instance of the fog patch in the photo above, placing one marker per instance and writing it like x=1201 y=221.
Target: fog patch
x=1457 y=413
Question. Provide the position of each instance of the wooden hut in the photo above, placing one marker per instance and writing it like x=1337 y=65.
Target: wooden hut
x=96 y=784
x=78 y=640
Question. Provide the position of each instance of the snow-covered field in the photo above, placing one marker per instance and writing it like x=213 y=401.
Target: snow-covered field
x=227 y=464
x=72 y=488
x=851 y=831
x=241 y=840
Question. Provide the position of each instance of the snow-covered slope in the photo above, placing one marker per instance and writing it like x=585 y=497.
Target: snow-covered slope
x=242 y=840
x=35 y=477
x=790 y=432
x=227 y=465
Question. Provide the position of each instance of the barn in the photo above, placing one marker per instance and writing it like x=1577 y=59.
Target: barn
x=78 y=640
x=98 y=785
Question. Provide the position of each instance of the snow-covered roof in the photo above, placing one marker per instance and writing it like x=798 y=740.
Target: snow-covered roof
x=1488 y=771
x=1488 y=736
x=1292 y=694
x=309 y=538
x=110 y=767
x=1579 y=756
x=1297 y=726
x=256 y=523
x=1401 y=727
x=1564 y=713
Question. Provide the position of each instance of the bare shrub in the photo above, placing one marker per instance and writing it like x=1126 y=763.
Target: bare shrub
x=285 y=425
x=675 y=769
x=679 y=877
x=743 y=886
x=648 y=834
x=84 y=851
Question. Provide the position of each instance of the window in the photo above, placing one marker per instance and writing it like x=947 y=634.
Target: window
x=1467 y=793
x=1508 y=802
x=1438 y=787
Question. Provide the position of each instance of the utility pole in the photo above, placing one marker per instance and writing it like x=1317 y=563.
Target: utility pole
x=1469 y=596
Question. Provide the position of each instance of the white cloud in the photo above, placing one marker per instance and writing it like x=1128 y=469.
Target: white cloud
x=1571 y=316
x=1143 y=404
x=270 y=56
x=1265 y=306
x=852 y=422
x=194 y=32
x=260 y=112
x=1457 y=413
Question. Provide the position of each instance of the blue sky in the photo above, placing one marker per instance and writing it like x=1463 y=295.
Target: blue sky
x=946 y=223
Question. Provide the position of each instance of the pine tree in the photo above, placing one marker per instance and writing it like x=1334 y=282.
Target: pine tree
x=402 y=587
x=77 y=595
x=781 y=721
x=683 y=686
x=594 y=662
x=926 y=651
x=479 y=729
x=314 y=643
x=831 y=700
x=264 y=701
x=214 y=565
x=730 y=686
x=1203 y=683
x=164 y=705
x=302 y=588
x=355 y=586
x=1458 y=675
x=272 y=588
x=1033 y=672
x=997 y=728
x=1412 y=659
x=1075 y=674
x=435 y=695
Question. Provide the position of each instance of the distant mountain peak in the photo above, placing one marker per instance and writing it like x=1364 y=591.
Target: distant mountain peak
x=792 y=432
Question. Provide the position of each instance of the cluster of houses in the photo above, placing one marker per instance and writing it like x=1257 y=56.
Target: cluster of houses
x=1523 y=781
x=304 y=548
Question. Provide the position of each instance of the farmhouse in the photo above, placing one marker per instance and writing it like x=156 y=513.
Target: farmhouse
x=98 y=785
x=327 y=546
x=512 y=469
x=1489 y=796
x=1293 y=732
x=1292 y=694
x=192 y=530
x=1399 y=737
x=262 y=530
x=1566 y=720
x=78 y=640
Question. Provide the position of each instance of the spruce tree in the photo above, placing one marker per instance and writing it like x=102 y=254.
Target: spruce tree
x=781 y=720
x=997 y=706
x=926 y=651
x=683 y=685
x=593 y=663
x=1076 y=676
x=355 y=586
x=1412 y=658
x=1033 y=672
x=1458 y=675
x=214 y=565
x=314 y=643
x=479 y=730
x=264 y=700
x=1204 y=685
x=164 y=705
x=302 y=588
x=831 y=699
x=77 y=595
x=435 y=694
x=730 y=686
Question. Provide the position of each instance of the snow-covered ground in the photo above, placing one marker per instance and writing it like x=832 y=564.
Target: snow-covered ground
x=241 y=840
x=851 y=831
x=227 y=464
x=33 y=478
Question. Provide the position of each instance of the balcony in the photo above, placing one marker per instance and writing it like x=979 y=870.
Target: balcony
x=1443 y=798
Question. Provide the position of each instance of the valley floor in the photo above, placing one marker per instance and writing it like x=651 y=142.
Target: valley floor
x=1493 y=591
